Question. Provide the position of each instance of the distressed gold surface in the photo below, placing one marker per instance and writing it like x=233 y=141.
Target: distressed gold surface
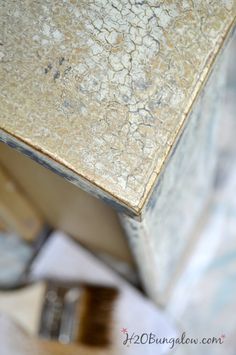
x=103 y=87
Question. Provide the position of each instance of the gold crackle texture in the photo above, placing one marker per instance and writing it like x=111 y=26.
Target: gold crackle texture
x=103 y=87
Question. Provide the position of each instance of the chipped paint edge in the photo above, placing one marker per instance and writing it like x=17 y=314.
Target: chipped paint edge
x=62 y=170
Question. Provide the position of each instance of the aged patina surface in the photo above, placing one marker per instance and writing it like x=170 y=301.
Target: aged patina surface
x=161 y=242
x=99 y=90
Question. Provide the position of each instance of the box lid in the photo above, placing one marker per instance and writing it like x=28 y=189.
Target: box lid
x=99 y=90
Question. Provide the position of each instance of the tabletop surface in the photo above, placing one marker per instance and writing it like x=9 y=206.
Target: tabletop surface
x=103 y=87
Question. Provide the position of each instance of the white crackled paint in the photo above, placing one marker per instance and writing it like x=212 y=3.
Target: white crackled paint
x=103 y=87
x=161 y=241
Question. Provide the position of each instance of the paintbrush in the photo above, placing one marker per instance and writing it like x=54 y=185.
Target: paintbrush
x=80 y=313
x=96 y=315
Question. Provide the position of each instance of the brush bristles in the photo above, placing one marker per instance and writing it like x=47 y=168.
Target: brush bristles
x=96 y=313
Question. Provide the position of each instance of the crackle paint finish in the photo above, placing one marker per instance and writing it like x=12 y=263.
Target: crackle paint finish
x=99 y=90
x=161 y=240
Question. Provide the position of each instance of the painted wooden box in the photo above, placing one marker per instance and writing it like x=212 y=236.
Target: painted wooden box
x=121 y=99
